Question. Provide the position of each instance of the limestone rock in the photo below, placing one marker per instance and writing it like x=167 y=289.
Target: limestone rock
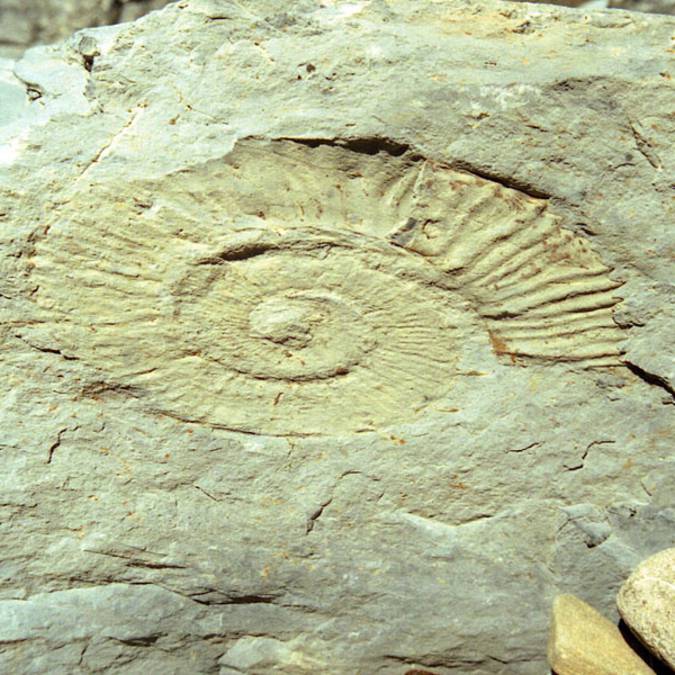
x=334 y=338
x=24 y=23
x=583 y=642
x=646 y=602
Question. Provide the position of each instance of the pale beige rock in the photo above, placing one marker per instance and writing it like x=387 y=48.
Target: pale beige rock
x=646 y=602
x=583 y=642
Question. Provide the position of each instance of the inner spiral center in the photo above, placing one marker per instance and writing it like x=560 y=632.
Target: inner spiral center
x=285 y=321
x=290 y=329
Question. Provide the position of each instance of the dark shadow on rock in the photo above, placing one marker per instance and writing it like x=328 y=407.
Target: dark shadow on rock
x=655 y=664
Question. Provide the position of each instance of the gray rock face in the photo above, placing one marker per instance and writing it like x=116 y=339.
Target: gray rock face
x=334 y=339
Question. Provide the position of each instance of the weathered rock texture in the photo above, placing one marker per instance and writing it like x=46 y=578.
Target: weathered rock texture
x=583 y=642
x=27 y=22
x=24 y=23
x=647 y=604
x=335 y=339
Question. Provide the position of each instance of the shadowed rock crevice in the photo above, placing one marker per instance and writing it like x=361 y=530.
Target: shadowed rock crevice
x=651 y=378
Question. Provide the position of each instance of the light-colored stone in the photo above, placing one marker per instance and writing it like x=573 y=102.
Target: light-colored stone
x=24 y=23
x=313 y=343
x=583 y=642
x=646 y=602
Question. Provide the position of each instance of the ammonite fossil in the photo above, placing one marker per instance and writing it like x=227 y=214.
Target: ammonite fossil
x=290 y=289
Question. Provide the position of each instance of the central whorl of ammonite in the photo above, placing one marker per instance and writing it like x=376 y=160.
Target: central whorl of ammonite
x=293 y=334
x=305 y=335
x=314 y=334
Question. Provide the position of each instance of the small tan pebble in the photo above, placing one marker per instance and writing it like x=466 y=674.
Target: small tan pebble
x=646 y=603
x=583 y=642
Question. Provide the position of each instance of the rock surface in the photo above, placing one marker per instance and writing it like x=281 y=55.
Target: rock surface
x=583 y=642
x=24 y=23
x=646 y=602
x=334 y=339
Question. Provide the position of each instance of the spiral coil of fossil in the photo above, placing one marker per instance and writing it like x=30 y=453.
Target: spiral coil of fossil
x=340 y=298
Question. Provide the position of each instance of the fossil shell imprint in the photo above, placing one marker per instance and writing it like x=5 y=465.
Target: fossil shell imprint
x=290 y=290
